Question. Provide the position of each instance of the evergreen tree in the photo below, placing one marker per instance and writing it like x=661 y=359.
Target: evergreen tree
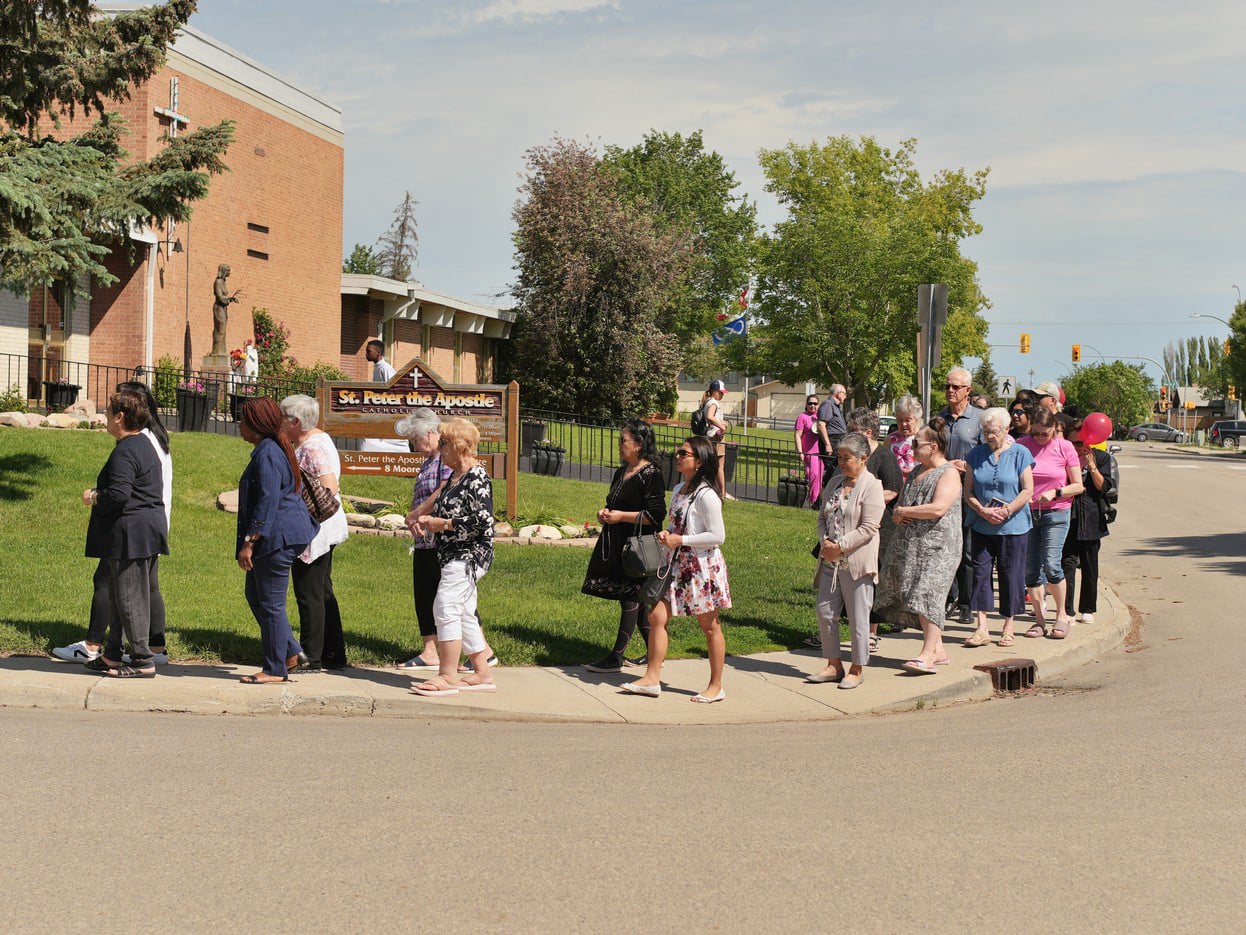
x=67 y=201
x=984 y=380
x=398 y=247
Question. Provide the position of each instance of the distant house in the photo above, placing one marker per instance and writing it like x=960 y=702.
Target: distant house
x=1194 y=408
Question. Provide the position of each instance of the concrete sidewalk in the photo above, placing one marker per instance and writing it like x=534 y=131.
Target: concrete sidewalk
x=763 y=688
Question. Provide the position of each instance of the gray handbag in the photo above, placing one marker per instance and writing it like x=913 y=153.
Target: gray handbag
x=642 y=553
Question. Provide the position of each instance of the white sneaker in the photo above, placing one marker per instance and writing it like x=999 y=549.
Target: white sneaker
x=157 y=659
x=1088 y=618
x=76 y=652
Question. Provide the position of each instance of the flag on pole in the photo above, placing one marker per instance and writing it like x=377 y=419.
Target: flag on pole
x=736 y=328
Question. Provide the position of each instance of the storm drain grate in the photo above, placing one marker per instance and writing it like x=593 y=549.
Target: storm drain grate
x=1011 y=675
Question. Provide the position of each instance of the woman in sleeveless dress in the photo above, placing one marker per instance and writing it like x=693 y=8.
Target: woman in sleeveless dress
x=924 y=553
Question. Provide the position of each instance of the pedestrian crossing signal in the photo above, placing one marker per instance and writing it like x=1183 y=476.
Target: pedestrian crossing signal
x=1025 y=343
x=1077 y=353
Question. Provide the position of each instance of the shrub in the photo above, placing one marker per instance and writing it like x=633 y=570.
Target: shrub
x=164 y=386
x=301 y=373
x=13 y=400
x=271 y=340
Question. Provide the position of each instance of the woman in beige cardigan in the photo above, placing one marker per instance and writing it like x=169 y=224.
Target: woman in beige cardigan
x=848 y=560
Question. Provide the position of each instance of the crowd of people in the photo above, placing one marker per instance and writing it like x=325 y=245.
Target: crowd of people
x=970 y=512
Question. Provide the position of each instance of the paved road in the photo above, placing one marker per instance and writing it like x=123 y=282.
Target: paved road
x=1110 y=803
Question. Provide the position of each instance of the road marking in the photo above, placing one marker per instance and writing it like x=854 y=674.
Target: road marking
x=1123 y=466
x=1184 y=467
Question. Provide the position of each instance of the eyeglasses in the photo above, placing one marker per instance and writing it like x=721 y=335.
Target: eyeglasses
x=681 y=454
x=954 y=386
x=920 y=445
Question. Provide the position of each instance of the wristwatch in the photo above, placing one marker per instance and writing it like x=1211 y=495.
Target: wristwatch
x=252 y=538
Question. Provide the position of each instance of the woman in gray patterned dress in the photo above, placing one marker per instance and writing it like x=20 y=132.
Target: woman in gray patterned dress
x=925 y=551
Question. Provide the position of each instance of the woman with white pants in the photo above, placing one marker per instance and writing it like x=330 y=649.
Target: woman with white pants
x=462 y=519
x=848 y=560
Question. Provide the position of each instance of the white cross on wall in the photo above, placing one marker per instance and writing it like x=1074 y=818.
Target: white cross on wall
x=170 y=113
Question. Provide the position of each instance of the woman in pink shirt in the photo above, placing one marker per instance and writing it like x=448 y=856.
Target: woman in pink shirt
x=1057 y=480
x=807 y=446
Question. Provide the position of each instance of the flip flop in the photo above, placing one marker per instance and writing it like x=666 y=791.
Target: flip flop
x=478 y=687
x=433 y=692
x=919 y=666
x=415 y=663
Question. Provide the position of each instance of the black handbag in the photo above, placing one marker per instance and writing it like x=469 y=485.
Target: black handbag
x=321 y=503
x=642 y=553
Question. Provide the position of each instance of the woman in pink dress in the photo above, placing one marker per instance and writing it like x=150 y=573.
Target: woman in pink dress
x=807 y=446
x=908 y=418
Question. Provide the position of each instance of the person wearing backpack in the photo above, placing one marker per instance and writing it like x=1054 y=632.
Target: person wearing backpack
x=710 y=422
x=1088 y=525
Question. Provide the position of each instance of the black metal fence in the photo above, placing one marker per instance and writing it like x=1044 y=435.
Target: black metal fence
x=560 y=444
x=194 y=401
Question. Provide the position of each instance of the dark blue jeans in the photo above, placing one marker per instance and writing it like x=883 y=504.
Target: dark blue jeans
x=1007 y=554
x=266 y=586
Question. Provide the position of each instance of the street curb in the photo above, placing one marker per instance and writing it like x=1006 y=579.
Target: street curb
x=549 y=695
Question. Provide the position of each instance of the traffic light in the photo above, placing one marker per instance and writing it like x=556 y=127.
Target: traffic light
x=1226 y=347
x=1077 y=353
x=1025 y=343
x=1232 y=391
x=1163 y=397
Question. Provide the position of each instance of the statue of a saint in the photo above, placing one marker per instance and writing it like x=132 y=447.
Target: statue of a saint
x=220 y=309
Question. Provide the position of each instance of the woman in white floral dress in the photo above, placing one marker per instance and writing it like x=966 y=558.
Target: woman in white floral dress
x=698 y=575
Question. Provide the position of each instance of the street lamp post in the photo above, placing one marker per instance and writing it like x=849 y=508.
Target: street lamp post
x=1214 y=317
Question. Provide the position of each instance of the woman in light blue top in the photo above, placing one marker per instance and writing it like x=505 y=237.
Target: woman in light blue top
x=999 y=482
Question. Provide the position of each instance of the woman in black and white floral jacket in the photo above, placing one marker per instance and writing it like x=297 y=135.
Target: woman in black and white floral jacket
x=462 y=520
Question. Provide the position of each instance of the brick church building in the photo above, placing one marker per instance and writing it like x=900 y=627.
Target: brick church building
x=275 y=218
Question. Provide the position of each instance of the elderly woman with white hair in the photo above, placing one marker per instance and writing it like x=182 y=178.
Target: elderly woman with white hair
x=998 y=485
x=320 y=620
x=908 y=419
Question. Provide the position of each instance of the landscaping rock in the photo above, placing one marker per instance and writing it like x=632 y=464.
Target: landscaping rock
x=34 y=420
x=361 y=519
x=84 y=408
x=540 y=532
x=15 y=419
x=503 y=530
x=98 y=419
x=365 y=504
x=391 y=521
x=228 y=501
x=571 y=532
x=61 y=420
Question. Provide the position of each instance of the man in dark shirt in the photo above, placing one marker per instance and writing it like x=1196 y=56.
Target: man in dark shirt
x=964 y=430
x=831 y=425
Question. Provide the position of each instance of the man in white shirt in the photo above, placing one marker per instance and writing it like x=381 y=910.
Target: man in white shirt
x=382 y=372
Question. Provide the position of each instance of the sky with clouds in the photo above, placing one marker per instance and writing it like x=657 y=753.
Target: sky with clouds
x=1113 y=131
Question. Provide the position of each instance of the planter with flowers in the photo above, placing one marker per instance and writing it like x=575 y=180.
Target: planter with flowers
x=60 y=394
x=195 y=401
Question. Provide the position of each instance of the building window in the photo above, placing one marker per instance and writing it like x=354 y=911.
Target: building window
x=426 y=342
x=257 y=255
x=458 y=357
x=258 y=228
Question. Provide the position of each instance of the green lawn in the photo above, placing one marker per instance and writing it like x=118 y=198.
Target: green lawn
x=530 y=600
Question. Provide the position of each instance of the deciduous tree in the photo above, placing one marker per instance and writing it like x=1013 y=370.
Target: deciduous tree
x=362 y=259
x=838 y=277
x=1121 y=391
x=593 y=271
x=67 y=201
x=692 y=196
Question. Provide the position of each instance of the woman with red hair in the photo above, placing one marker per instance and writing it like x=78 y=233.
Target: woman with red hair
x=274 y=526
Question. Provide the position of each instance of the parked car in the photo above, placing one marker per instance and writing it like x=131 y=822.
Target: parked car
x=1157 y=432
x=886 y=425
x=1227 y=434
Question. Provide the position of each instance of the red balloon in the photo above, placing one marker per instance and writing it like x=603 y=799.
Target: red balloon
x=1096 y=428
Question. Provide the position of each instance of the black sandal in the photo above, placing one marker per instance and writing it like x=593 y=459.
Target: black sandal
x=98 y=665
x=133 y=672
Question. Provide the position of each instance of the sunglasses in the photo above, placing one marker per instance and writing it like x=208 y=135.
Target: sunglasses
x=953 y=386
x=1018 y=412
x=812 y=402
x=681 y=454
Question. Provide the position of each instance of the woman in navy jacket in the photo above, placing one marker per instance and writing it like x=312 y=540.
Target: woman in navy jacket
x=128 y=529
x=274 y=526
